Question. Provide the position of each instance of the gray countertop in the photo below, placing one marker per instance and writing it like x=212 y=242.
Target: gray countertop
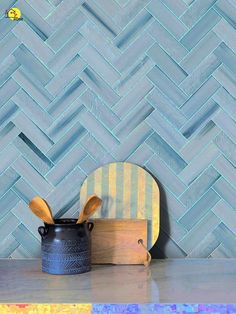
x=165 y=281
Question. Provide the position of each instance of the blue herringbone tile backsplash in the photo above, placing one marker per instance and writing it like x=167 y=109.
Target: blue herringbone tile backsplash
x=84 y=83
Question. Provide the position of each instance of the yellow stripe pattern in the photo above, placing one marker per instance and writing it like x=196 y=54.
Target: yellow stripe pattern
x=103 y=182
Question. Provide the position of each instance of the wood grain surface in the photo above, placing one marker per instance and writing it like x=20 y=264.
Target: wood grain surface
x=115 y=241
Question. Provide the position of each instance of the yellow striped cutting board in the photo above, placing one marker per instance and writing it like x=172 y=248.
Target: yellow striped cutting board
x=127 y=191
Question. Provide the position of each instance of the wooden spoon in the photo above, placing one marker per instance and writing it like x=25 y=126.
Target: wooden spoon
x=41 y=209
x=89 y=208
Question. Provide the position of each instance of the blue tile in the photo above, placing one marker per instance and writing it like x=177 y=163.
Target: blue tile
x=8 y=224
x=133 y=97
x=199 y=141
x=65 y=121
x=227 y=214
x=60 y=10
x=167 y=108
x=105 y=137
x=8 y=202
x=200 y=29
x=66 y=194
x=133 y=119
x=25 y=170
x=226 y=101
x=66 y=165
x=201 y=51
x=27 y=240
x=99 y=109
x=100 y=65
x=160 y=79
x=8 y=67
x=196 y=11
x=199 y=163
x=226 y=191
x=171 y=203
x=8 y=44
x=88 y=165
x=95 y=149
x=195 y=213
x=205 y=247
x=165 y=175
x=200 y=119
x=226 y=169
x=167 y=19
x=7 y=246
x=135 y=74
x=227 y=79
x=228 y=147
x=65 y=98
x=39 y=160
x=34 y=20
x=227 y=238
x=32 y=65
x=64 y=77
x=199 y=187
x=33 y=132
x=33 y=87
x=24 y=190
x=227 y=10
x=7 y=90
x=99 y=86
x=200 y=75
x=59 y=150
x=8 y=156
x=96 y=37
x=166 y=153
x=165 y=130
x=199 y=231
x=166 y=64
x=5 y=26
x=169 y=43
x=66 y=30
x=226 y=56
x=33 y=42
x=44 y=8
x=134 y=52
x=134 y=28
x=101 y=19
x=178 y=7
x=198 y=99
x=57 y=62
x=227 y=33
x=8 y=112
x=132 y=142
x=170 y=247
x=226 y=123
x=8 y=134
x=32 y=109
x=141 y=155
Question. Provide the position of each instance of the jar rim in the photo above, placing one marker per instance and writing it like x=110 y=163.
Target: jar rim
x=65 y=222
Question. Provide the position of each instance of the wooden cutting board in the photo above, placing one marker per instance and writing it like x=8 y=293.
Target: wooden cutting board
x=127 y=191
x=115 y=241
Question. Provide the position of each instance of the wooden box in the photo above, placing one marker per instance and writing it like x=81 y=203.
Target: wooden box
x=115 y=241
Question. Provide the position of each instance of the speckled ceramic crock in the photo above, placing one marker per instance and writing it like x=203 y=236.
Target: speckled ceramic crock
x=66 y=247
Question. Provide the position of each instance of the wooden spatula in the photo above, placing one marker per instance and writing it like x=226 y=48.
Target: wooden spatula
x=41 y=209
x=92 y=204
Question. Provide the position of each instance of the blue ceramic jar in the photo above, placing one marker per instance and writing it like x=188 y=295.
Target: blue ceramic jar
x=66 y=247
